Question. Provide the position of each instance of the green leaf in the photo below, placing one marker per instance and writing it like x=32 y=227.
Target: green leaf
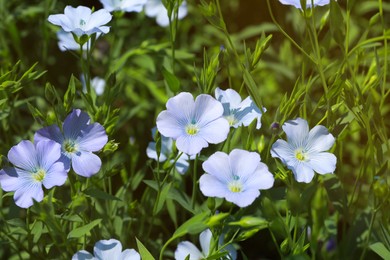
x=70 y=94
x=145 y=254
x=172 y=82
x=99 y=194
x=194 y=225
x=381 y=250
x=81 y=231
x=161 y=199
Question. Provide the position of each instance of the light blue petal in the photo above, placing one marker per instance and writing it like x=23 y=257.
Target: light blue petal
x=216 y=131
x=108 y=249
x=61 y=20
x=83 y=255
x=207 y=109
x=152 y=153
x=170 y=125
x=243 y=198
x=75 y=123
x=9 y=179
x=49 y=133
x=302 y=172
x=282 y=150
x=86 y=163
x=319 y=139
x=229 y=96
x=56 y=175
x=297 y=132
x=187 y=248
x=48 y=152
x=25 y=194
x=98 y=19
x=211 y=186
x=191 y=144
x=182 y=164
x=130 y=254
x=23 y=155
x=204 y=240
x=219 y=166
x=322 y=162
x=92 y=138
x=182 y=108
x=261 y=179
x=243 y=163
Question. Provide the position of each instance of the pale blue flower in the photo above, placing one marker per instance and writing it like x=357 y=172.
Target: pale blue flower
x=193 y=124
x=108 y=250
x=81 y=20
x=66 y=42
x=79 y=140
x=238 y=112
x=181 y=164
x=187 y=248
x=155 y=8
x=98 y=84
x=297 y=3
x=237 y=177
x=304 y=152
x=123 y=5
x=34 y=165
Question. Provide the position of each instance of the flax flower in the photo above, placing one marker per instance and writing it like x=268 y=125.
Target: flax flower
x=107 y=250
x=82 y=21
x=297 y=3
x=34 y=165
x=123 y=5
x=193 y=124
x=238 y=112
x=237 y=177
x=79 y=140
x=304 y=152
x=155 y=8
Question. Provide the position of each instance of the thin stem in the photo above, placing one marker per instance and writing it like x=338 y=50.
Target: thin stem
x=194 y=182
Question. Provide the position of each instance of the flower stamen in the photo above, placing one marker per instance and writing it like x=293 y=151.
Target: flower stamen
x=39 y=175
x=192 y=129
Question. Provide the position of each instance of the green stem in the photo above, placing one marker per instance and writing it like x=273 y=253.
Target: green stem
x=194 y=183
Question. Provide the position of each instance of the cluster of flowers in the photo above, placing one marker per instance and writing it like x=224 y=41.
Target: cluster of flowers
x=239 y=175
x=54 y=152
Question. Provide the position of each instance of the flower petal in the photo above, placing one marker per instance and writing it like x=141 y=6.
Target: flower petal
x=319 y=139
x=216 y=131
x=56 y=175
x=75 y=123
x=322 y=162
x=169 y=125
x=48 y=152
x=218 y=165
x=25 y=194
x=98 y=18
x=302 y=172
x=83 y=255
x=228 y=96
x=204 y=240
x=243 y=163
x=61 y=20
x=182 y=107
x=296 y=131
x=243 y=198
x=23 y=155
x=108 y=249
x=282 y=150
x=52 y=132
x=152 y=153
x=187 y=248
x=212 y=186
x=86 y=163
x=92 y=138
x=130 y=254
x=207 y=109
x=261 y=179
x=190 y=144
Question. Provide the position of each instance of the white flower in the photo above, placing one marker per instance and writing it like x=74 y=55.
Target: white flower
x=304 y=152
x=238 y=112
x=82 y=21
x=297 y=3
x=187 y=248
x=237 y=177
x=108 y=250
x=193 y=124
x=123 y=5
x=155 y=8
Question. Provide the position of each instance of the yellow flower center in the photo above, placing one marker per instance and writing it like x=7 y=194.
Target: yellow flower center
x=235 y=186
x=39 y=175
x=231 y=119
x=69 y=146
x=192 y=129
x=300 y=155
